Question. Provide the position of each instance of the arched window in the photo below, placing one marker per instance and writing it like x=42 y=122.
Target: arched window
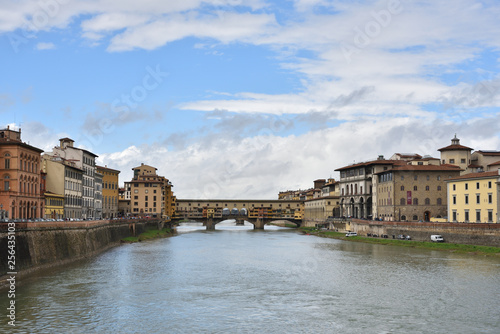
x=427 y=201
x=415 y=201
x=402 y=201
x=415 y=188
x=415 y=217
x=439 y=201
x=402 y=188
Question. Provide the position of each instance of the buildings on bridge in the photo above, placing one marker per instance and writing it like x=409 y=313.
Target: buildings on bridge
x=200 y=208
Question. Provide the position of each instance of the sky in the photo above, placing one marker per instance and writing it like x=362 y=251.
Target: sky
x=244 y=99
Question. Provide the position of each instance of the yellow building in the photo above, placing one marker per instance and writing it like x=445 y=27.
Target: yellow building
x=54 y=206
x=109 y=191
x=474 y=198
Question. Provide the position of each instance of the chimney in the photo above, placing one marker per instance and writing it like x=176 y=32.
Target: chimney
x=380 y=157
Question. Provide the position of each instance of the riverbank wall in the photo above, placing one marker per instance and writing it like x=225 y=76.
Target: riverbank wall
x=459 y=233
x=42 y=245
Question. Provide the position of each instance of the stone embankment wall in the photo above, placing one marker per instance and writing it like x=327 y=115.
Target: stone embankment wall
x=43 y=245
x=472 y=234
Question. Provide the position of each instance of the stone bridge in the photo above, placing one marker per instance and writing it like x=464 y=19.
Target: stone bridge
x=256 y=212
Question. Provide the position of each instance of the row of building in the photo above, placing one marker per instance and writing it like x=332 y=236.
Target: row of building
x=67 y=184
x=461 y=186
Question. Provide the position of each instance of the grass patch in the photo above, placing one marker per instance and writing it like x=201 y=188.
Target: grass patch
x=442 y=246
x=148 y=235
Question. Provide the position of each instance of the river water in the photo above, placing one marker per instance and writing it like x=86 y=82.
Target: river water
x=237 y=280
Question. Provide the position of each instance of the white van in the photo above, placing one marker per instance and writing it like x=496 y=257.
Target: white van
x=437 y=238
x=351 y=234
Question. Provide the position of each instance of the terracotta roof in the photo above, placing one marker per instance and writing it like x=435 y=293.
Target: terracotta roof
x=455 y=148
x=106 y=168
x=409 y=155
x=429 y=168
x=373 y=162
x=475 y=176
x=495 y=163
x=489 y=153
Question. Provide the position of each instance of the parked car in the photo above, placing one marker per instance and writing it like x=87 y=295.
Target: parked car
x=351 y=234
x=437 y=238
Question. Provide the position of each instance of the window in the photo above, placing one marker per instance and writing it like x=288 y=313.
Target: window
x=490 y=198
x=402 y=188
x=427 y=188
x=402 y=201
x=478 y=216
x=452 y=161
x=454 y=216
x=439 y=201
x=439 y=178
x=136 y=197
x=478 y=198
x=454 y=187
x=477 y=185
x=462 y=161
x=415 y=217
x=490 y=216
x=427 y=201
x=466 y=186
x=428 y=177
x=466 y=199
x=402 y=177
x=466 y=215
x=415 y=188
x=415 y=201
x=7 y=163
x=415 y=177
x=454 y=199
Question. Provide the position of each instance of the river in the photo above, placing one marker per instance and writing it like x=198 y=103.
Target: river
x=239 y=280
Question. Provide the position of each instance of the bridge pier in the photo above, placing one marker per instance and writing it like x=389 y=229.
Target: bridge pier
x=210 y=224
x=258 y=224
x=240 y=222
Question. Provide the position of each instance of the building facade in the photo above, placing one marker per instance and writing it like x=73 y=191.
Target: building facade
x=109 y=191
x=54 y=206
x=65 y=179
x=98 y=196
x=413 y=192
x=357 y=193
x=487 y=161
x=21 y=195
x=474 y=198
x=150 y=193
x=84 y=160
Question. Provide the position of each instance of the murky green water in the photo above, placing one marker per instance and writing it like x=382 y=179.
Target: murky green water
x=236 y=280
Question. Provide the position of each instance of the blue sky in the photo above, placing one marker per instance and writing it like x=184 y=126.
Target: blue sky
x=243 y=99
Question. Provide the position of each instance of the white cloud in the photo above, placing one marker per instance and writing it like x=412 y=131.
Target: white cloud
x=45 y=46
x=263 y=165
